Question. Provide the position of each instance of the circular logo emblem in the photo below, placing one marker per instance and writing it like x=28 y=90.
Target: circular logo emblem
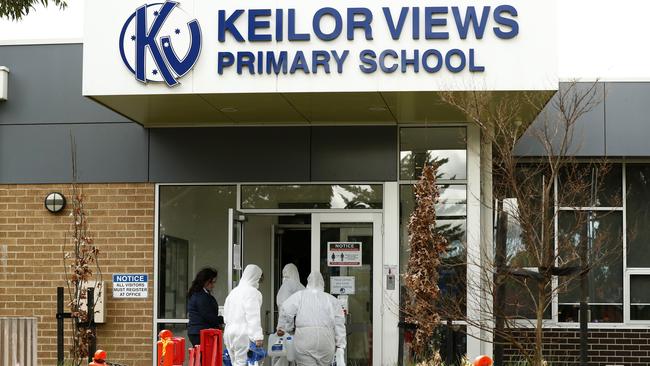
x=160 y=43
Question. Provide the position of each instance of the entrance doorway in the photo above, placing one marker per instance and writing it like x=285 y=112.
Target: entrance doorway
x=346 y=247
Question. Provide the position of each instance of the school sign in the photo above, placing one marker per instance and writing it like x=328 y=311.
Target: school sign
x=208 y=47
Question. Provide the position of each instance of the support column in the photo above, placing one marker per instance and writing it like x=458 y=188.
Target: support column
x=391 y=255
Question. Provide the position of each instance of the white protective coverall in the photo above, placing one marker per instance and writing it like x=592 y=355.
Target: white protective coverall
x=319 y=323
x=242 y=315
x=290 y=285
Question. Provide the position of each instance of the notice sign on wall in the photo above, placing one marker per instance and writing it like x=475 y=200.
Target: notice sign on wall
x=343 y=254
x=130 y=285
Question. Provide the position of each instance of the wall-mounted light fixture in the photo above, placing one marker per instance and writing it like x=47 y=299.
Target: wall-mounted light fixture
x=54 y=202
x=4 y=82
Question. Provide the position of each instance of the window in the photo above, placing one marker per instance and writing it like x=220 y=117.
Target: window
x=590 y=222
x=589 y=219
x=601 y=234
x=640 y=297
x=638 y=215
x=444 y=145
x=193 y=233
x=312 y=196
x=448 y=147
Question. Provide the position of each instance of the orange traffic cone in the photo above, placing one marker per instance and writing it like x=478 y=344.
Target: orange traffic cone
x=483 y=361
x=99 y=359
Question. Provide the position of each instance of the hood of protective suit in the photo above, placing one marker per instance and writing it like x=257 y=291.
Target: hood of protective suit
x=315 y=281
x=251 y=276
x=290 y=273
x=290 y=284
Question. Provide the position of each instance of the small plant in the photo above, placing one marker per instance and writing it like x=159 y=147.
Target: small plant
x=79 y=264
x=421 y=280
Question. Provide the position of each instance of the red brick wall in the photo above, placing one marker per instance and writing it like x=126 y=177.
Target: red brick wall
x=120 y=219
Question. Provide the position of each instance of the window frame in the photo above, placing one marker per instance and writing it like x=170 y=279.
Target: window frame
x=627 y=322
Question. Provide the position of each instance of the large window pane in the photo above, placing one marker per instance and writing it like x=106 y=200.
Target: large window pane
x=524 y=217
x=608 y=313
x=640 y=297
x=602 y=234
x=451 y=221
x=193 y=234
x=587 y=185
x=445 y=145
x=638 y=215
x=522 y=298
x=312 y=196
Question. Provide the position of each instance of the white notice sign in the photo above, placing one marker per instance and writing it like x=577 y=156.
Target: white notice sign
x=130 y=285
x=342 y=285
x=343 y=254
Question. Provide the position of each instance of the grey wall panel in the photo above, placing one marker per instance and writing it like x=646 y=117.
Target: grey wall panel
x=588 y=135
x=221 y=154
x=354 y=153
x=628 y=119
x=45 y=87
x=106 y=152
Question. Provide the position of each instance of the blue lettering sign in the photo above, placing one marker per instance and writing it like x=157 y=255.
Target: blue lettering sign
x=395 y=29
x=501 y=20
x=470 y=18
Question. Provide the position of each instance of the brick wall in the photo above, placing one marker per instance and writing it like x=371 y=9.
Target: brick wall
x=32 y=241
x=629 y=347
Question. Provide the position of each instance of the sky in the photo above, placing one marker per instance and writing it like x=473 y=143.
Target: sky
x=597 y=39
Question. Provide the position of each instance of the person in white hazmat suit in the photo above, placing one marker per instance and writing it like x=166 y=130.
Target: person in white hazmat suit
x=242 y=316
x=319 y=324
x=290 y=285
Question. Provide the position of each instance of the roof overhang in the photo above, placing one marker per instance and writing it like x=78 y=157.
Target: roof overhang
x=193 y=110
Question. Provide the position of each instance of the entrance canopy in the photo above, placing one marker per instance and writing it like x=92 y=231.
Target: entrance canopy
x=186 y=63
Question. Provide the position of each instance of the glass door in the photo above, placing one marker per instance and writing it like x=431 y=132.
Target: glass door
x=347 y=249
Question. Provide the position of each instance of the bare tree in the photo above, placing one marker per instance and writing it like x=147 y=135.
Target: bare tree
x=530 y=264
x=80 y=264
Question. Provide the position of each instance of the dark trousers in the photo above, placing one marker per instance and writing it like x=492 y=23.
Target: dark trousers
x=195 y=339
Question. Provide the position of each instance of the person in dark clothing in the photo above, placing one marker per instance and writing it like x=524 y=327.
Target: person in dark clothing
x=202 y=307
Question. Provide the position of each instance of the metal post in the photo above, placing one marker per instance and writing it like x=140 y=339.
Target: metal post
x=59 y=325
x=499 y=300
x=449 y=360
x=92 y=347
x=584 y=307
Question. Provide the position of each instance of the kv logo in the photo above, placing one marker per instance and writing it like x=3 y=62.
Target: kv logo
x=154 y=36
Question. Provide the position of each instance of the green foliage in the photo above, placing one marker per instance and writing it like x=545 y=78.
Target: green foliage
x=17 y=9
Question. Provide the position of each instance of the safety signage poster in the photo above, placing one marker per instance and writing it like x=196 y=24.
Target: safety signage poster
x=343 y=254
x=130 y=285
x=342 y=285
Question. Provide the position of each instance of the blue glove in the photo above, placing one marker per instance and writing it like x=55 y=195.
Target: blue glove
x=226 y=358
x=255 y=354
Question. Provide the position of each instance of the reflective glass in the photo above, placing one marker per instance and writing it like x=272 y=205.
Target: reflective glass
x=638 y=215
x=446 y=146
x=640 y=297
x=603 y=236
x=521 y=299
x=312 y=196
x=359 y=316
x=451 y=341
x=586 y=185
x=570 y=313
x=193 y=231
x=451 y=221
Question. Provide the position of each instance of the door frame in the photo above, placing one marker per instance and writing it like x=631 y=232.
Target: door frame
x=377 y=261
